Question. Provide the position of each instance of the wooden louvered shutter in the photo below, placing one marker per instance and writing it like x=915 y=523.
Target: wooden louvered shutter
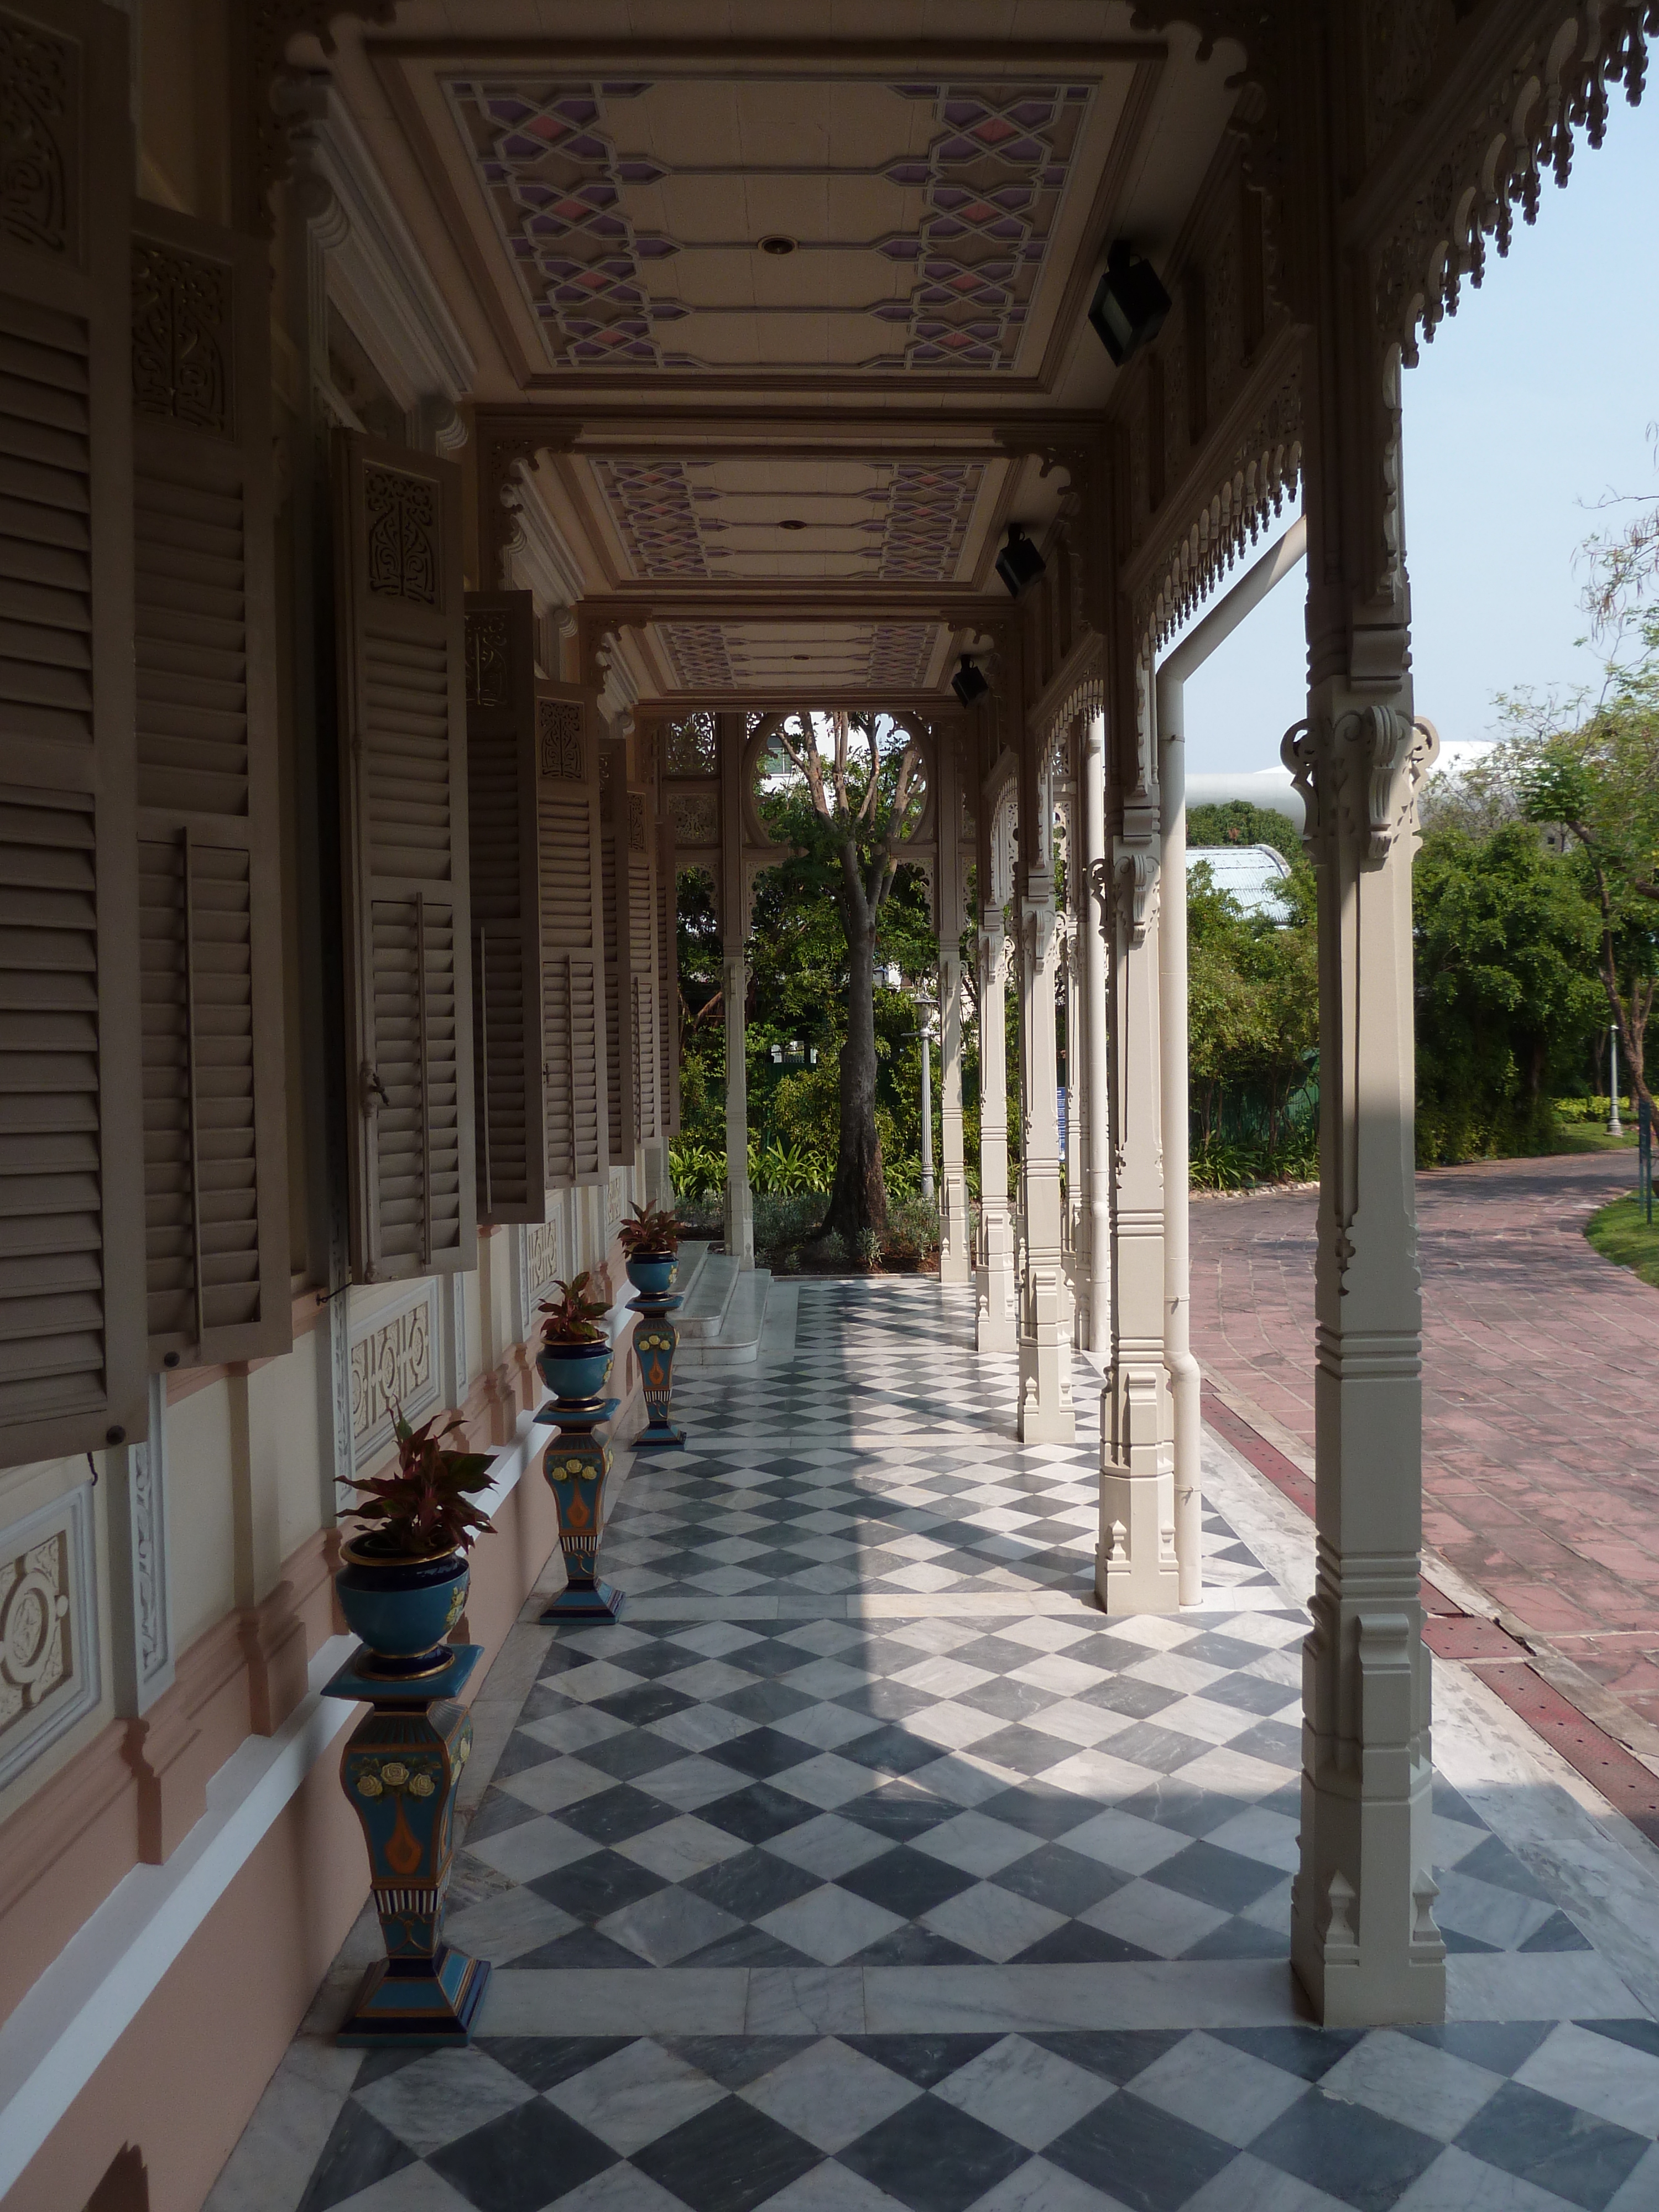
x=642 y=966
x=500 y=776
x=620 y=1061
x=209 y=894
x=71 y=1158
x=574 y=1059
x=668 y=981
x=403 y=845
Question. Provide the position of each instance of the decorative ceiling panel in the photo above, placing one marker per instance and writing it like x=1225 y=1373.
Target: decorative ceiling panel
x=917 y=218
x=866 y=520
x=833 y=657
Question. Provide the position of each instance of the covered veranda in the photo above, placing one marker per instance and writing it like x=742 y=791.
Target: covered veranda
x=865 y=1865
x=437 y=444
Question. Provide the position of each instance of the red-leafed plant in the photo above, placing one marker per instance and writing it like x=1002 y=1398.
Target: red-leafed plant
x=573 y=1317
x=424 y=1506
x=652 y=1232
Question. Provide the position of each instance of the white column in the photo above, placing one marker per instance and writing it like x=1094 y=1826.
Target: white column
x=1092 y=927
x=1363 y=1940
x=1045 y=1414
x=740 y=1208
x=955 y=1265
x=1135 y=1566
x=996 y=1329
x=1186 y=1380
x=925 y=1068
x=1077 y=1286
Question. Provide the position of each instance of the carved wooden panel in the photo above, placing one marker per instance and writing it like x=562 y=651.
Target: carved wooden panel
x=394 y=1368
x=49 y=1664
x=182 y=336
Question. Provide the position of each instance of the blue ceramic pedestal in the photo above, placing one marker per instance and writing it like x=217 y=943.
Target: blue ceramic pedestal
x=656 y=1340
x=401 y=1770
x=575 y=1464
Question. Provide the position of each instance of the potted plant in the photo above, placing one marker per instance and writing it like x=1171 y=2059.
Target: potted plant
x=575 y=1354
x=650 y=1242
x=405 y=1579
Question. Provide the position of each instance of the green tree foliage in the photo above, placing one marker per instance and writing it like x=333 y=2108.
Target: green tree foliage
x=1506 y=993
x=1253 y=1028
x=1236 y=821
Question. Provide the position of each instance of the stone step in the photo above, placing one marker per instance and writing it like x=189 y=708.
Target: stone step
x=737 y=1340
x=706 y=1297
x=694 y=1251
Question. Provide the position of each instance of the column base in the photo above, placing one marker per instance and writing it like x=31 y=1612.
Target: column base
x=1135 y=1567
x=661 y=1436
x=595 y=1600
x=1046 y=1413
x=417 y=2002
x=1366 y=1950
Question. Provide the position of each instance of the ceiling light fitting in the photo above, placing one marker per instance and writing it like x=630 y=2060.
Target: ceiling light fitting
x=1129 y=303
x=969 y=683
x=792 y=525
x=777 y=243
x=1019 y=564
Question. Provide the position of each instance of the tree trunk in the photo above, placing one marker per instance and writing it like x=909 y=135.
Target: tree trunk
x=857 y=1200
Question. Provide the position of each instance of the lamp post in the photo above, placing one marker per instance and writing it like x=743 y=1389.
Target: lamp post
x=1615 y=1127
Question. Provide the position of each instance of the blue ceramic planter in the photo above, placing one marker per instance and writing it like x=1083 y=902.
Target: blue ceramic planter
x=402 y=1609
x=651 y=1273
x=574 y=1372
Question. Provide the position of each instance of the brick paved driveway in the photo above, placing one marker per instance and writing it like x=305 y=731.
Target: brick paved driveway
x=1541 y=1385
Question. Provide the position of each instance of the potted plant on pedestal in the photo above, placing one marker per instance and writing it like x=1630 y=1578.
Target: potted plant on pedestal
x=651 y=1240
x=403 y=1582
x=575 y=1354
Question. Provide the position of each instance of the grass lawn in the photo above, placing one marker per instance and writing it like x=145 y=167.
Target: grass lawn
x=1585 y=1137
x=1619 y=1233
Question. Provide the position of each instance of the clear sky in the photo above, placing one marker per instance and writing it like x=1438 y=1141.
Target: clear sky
x=1534 y=401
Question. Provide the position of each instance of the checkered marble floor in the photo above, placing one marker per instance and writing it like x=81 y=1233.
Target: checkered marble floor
x=814 y=1904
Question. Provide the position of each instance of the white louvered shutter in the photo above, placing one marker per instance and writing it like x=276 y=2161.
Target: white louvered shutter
x=403 y=844
x=668 y=981
x=575 y=1105
x=622 y=1122
x=71 y=1159
x=642 y=966
x=501 y=769
x=217 y=1267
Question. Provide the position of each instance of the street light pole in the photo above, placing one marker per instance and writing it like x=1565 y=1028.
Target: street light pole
x=1615 y=1127
x=924 y=1035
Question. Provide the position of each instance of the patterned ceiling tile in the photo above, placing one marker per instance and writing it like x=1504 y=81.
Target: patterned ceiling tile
x=928 y=506
x=971 y=215
x=699 y=656
x=899 y=654
x=715 y=656
x=655 y=507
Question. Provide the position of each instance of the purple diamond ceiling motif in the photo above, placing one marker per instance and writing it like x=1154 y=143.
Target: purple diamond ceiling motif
x=991 y=180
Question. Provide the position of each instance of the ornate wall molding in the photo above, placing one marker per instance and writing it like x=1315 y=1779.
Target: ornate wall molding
x=376 y=274
x=395 y=1367
x=1484 y=149
x=49 y=1660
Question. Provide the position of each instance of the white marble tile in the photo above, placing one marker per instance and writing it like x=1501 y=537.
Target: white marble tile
x=940 y=1676
x=1096 y=1775
x=557 y=1782
x=1536 y=1986
x=1492 y=1915
x=805 y=2001
x=827 y=1781
x=826 y=1727
x=1599 y=2074
x=1027 y=2094
x=826 y=1638
x=448 y=2094
x=680 y=1848
x=1250 y=2185
x=505 y=1927
x=829 y=1923
x=598 y=1680
x=976 y=1844
x=1415 y=2084
x=829 y=1846
x=416 y=2188
x=690 y=1784
x=1155 y=1918
x=1232 y=1774
x=1457 y=2183
x=708 y=1679
x=994 y=1921
x=1223 y=2091
x=831 y=2188
x=1086 y=1726
x=700 y=1727
x=965 y=1780
x=1067 y=1677
x=667 y=1926
x=533 y=1848
x=620 y=2189
x=1640 y=2192
x=830 y=2095
x=573 y=1729
x=1203 y=1719
x=1036 y=2186
x=636 y=2095
x=1269 y=1837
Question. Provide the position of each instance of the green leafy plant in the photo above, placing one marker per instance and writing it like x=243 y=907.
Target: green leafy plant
x=572 y=1317
x=868 y=1247
x=652 y=1229
x=424 y=1506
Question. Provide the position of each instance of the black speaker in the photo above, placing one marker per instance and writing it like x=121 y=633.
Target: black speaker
x=967 y=683
x=1129 y=303
x=1019 y=564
